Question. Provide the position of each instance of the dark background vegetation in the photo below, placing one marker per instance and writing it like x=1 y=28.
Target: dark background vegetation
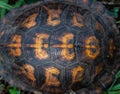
x=7 y=5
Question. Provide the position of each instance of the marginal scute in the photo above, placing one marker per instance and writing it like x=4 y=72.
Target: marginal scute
x=111 y=47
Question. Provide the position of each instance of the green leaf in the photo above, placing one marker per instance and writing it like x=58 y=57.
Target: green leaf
x=5 y=5
x=14 y=91
x=104 y=92
x=116 y=87
x=2 y=13
x=5 y=1
x=115 y=11
x=114 y=92
x=117 y=75
x=1 y=85
x=19 y=3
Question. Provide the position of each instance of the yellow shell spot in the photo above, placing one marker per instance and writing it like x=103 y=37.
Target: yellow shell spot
x=77 y=20
x=28 y=71
x=66 y=46
x=53 y=16
x=30 y=21
x=77 y=74
x=92 y=43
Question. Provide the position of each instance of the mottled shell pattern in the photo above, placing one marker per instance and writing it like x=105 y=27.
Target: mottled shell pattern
x=58 y=46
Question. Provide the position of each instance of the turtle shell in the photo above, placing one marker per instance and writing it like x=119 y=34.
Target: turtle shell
x=56 y=46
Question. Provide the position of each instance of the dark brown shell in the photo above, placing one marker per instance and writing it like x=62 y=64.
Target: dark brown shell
x=56 y=46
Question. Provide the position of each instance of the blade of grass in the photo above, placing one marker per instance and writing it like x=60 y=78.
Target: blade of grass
x=114 y=92
x=2 y=10
x=117 y=76
x=5 y=6
x=5 y=1
x=2 y=13
x=116 y=87
x=19 y=3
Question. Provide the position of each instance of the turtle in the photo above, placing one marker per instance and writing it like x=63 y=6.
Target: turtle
x=59 y=46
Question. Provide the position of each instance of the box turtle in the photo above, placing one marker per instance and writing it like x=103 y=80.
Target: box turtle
x=58 y=46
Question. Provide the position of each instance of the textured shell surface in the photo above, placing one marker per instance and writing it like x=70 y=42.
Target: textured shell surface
x=56 y=46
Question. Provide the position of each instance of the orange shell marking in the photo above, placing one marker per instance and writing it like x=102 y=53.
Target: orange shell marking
x=15 y=45
x=75 y=19
x=66 y=46
x=92 y=43
x=30 y=21
x=28 y=71
x=53 y=16
x=40 y=53
x=52 y=80
x=77 y=74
